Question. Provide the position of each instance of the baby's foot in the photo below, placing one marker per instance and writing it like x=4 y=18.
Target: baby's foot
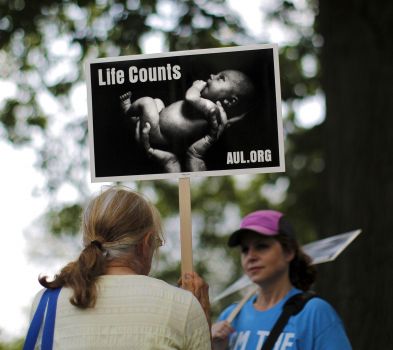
x=125 y=102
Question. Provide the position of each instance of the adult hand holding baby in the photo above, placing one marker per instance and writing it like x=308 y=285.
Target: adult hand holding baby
x=167 y=160
x=197 y=151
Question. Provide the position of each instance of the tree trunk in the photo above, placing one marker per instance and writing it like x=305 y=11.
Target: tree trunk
x=357 y=77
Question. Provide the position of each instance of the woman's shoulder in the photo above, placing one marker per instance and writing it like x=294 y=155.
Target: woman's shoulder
x=318 y=303
x=169 y=287
x=182 y=300
x=320 y=310
x=311 y=300
x=328 y=330
x=144 y=284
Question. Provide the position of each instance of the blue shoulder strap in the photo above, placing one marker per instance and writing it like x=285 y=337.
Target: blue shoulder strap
x=48 y=298
x=49 y=326
x=36 y=322
x=292 y=307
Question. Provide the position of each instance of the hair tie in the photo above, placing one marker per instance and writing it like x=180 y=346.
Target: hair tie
x=97 y=244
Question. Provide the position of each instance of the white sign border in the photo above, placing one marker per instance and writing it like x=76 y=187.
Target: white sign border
x=161 y=176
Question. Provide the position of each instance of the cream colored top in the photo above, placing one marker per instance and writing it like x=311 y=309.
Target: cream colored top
x=132 y=312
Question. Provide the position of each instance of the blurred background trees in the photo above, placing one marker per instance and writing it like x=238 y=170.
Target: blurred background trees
x=339 y=169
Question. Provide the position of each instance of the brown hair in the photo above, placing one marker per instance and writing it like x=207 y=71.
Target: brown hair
x=113 y=223
x=301 y=273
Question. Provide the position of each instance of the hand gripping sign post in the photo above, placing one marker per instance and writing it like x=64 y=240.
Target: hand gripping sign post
x=183 y=114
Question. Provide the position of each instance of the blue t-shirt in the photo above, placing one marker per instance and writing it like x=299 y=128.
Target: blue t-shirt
x=316 y=327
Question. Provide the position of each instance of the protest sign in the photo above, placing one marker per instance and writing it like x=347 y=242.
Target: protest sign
x=147 y=112
x=328 y=249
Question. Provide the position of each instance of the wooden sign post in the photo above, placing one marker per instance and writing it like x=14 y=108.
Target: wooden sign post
x=185 y=224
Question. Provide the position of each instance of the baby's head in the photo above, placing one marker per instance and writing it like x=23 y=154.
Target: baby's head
x=233 y=89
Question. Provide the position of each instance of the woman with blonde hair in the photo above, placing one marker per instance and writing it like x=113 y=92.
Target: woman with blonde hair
x=108 y=301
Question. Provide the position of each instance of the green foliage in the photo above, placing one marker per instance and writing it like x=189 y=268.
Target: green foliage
x=18 y=131
x=64 y=220
x=44 y=44
x=14 y=345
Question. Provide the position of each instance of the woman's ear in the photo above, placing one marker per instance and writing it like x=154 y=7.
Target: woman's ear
x=147 y=243
x=146 y=240
x=143 y=246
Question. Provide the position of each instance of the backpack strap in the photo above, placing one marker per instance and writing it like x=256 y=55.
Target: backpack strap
x=292 y=307
x=47 y=304
x=49 y=326
x=35 y=325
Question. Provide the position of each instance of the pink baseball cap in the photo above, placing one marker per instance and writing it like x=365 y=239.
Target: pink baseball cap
x=264 y=222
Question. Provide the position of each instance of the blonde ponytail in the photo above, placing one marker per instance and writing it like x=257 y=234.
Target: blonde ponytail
x=113 y=223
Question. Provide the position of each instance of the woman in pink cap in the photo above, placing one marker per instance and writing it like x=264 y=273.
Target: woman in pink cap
x=272 y=259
